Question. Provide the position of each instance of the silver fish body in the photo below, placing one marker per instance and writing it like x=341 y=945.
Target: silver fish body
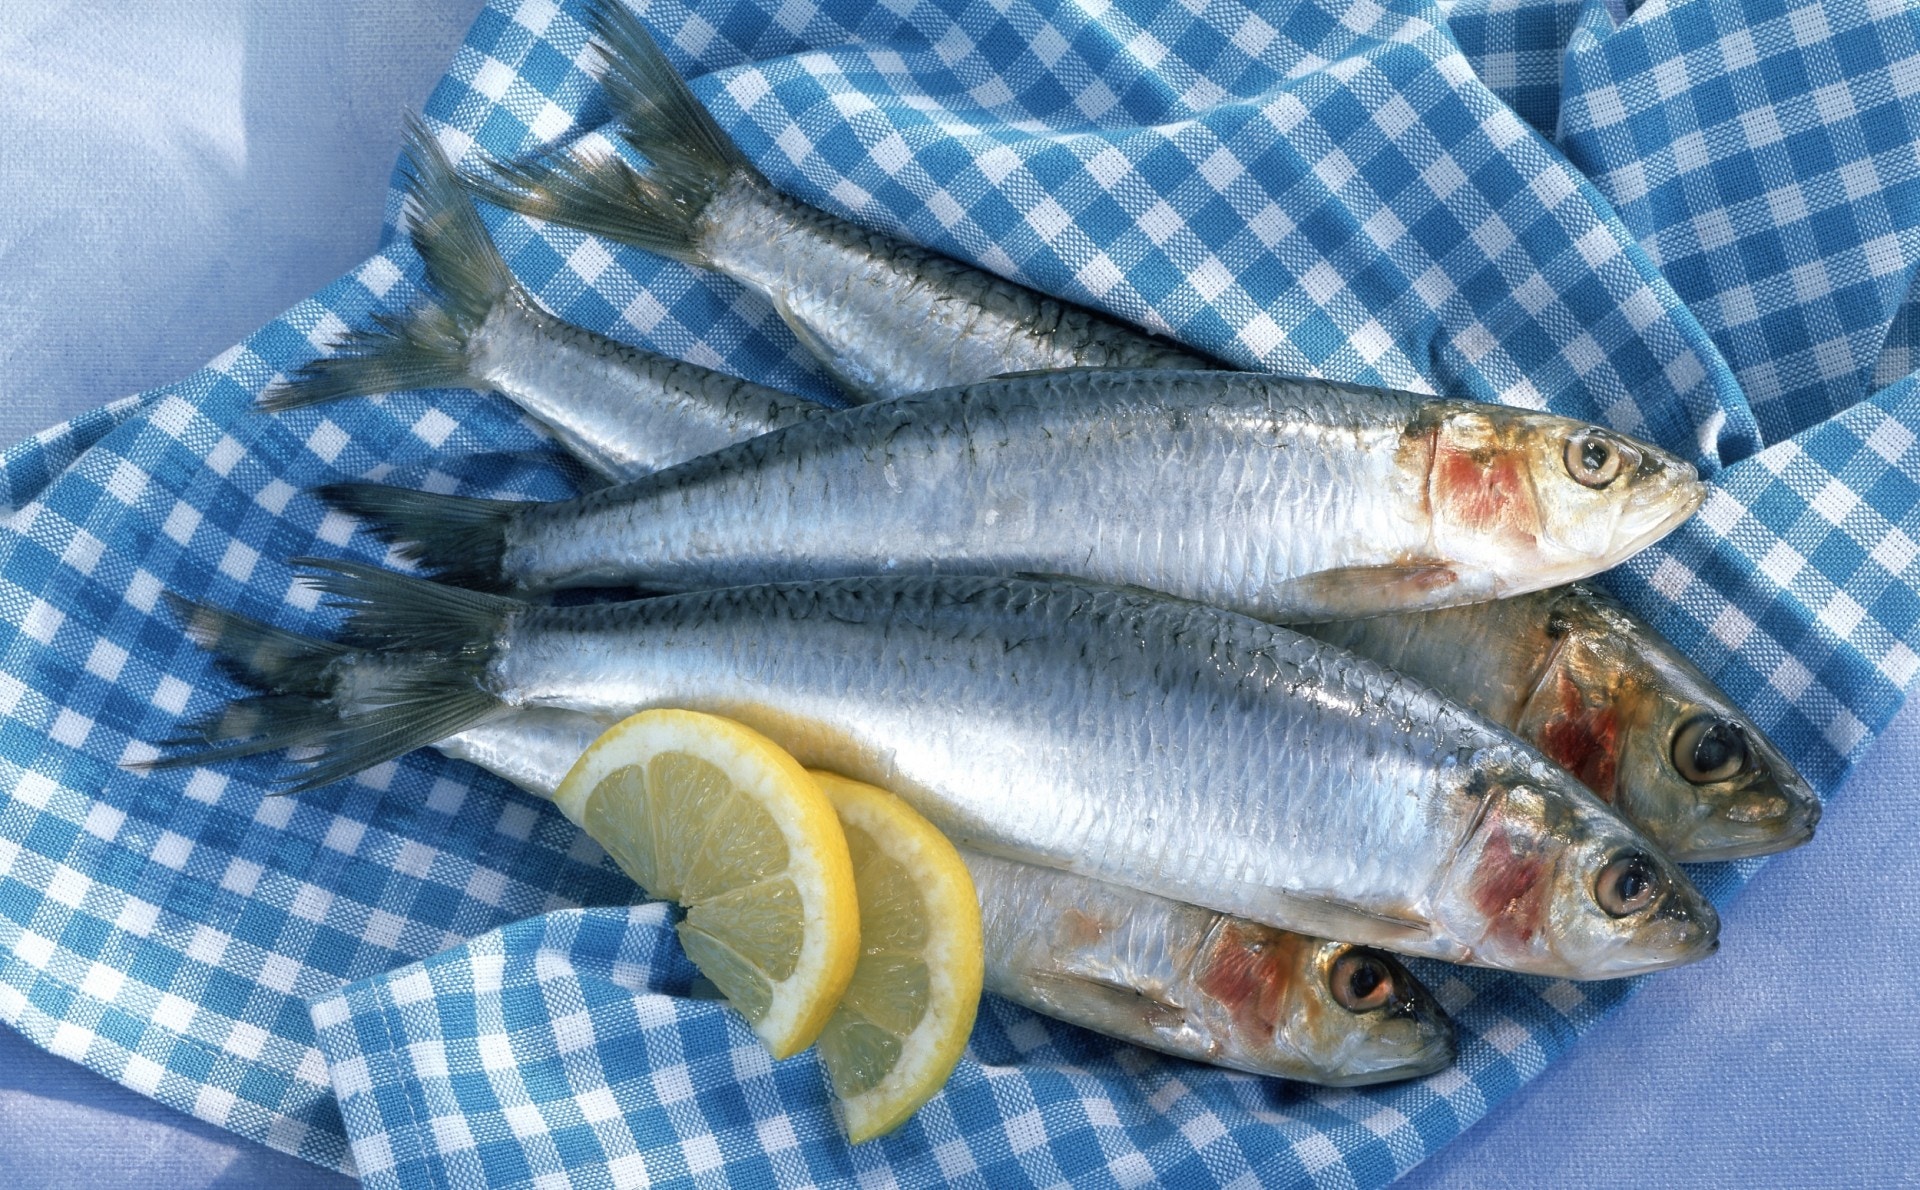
x=1284 y=499
x=887 y=318
x=1202 y=985
x=1599 y=692
x=1156 y=743
x=884 y=316
x=623 y=410
x=1126 y=963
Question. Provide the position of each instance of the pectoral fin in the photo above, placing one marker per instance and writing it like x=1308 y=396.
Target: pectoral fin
x=1350 y=592
x=1087 y=998
x=1055 y=576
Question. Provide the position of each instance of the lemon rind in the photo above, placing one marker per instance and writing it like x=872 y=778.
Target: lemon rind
x=955 y=956
x=816 y=846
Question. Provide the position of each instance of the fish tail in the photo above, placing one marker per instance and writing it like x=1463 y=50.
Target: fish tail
x=460 y=540
x=257 y=654
x=599 y=194
x=401 y=613
x=429 y=345
x=245 y=727
x=316 y=701
x=690 y=158
x=658 y=113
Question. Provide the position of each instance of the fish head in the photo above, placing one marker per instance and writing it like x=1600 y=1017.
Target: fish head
x=1534 y=500
x=1548 y=881
x=1340 y=1014
x=1652 y=736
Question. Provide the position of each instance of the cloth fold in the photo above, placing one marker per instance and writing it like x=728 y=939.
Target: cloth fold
x=429 y=974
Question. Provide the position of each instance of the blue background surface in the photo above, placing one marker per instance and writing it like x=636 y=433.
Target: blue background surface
x=177 y=174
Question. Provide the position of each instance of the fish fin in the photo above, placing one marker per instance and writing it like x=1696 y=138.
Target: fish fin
x=690 y=157
x=1066 y=986
x=461 y=261
x=1349 y=592
x=257 y=654
x=244 y=727
x=659 y=114
x=1325 y=915
x=427 y=347
x=599 y=194
x=459 y=539
x=347 y=726
x=400 y=612
x=1029 y=373
x=1057 y=576
x=413 y=711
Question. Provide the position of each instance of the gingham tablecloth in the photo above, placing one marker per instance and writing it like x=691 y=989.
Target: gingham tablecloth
x=1699 y=223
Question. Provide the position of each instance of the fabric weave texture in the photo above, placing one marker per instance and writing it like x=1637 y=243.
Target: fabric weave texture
x=1697 y=222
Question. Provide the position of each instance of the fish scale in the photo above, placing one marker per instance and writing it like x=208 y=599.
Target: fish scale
x=869 y=305
x=1156 y=720
x=627 y=410
x=1115 y=959
x=995 y=478
x=621 y=410
x=1157 y=743
x=1597 y=690
x=1279 y=498
x=1161 y=744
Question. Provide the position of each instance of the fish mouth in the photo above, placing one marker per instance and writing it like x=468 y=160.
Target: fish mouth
x=1794 y=828
x=1684 y=931
x=1434 y=1055
x=1660 y=511
x=1666 y=963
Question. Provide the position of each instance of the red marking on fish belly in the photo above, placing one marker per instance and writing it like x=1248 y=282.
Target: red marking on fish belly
x=1584 y=740
x=1079 y=929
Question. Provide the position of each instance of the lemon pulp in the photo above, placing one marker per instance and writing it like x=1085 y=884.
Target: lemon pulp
x=709 y=813
x=903 y=1023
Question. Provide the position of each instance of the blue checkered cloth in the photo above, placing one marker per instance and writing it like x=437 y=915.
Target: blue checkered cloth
x=1698 y=223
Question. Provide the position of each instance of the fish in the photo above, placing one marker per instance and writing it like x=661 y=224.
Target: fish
x=1203 y=985
x=1171 y=977
x=1284 y=499
x=621 y=410
x=1168 y=976
x=1600 y=692
x=883 y=316
x=1569 y=669
x=1152 y=742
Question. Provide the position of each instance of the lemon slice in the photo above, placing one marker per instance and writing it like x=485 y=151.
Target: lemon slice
x=904 y=1021
x=712 y=814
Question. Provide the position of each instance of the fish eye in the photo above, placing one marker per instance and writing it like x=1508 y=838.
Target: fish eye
x=1361 y=982
x=1708 y=749
x=1628 y=885
x=1592 y=460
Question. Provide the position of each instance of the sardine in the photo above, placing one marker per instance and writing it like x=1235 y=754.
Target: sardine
x=1203 y=985
x=1596 y=689
x=884 y=317
x=1284 y=499
x=1161 y=744
x=1577 y=676
x=1168 y=976
x=1171 y=977
x=621 y=410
